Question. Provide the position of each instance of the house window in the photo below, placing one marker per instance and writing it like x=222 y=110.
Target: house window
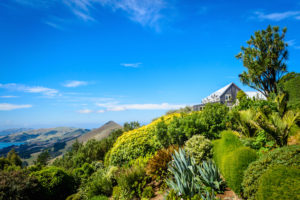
x=227 y=97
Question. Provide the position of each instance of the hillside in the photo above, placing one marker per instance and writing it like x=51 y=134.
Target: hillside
x=97 y=134
x=100 y=133
x=44 y=135
x=13 y=130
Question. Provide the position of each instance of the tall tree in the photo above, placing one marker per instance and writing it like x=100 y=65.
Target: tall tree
x=265 y=60
x=13 y=158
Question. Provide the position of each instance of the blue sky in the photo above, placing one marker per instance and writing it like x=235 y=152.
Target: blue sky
x=83 y=62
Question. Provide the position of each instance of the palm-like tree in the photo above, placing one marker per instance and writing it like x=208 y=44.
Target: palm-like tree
x=277 y=124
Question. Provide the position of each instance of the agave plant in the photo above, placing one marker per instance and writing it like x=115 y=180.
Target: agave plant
x=208 y=195
x=184 y=170
x=210 y=176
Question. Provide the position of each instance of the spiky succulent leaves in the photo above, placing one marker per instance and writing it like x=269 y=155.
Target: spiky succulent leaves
x=184 y=171
x=208 y=195
x=211 y=176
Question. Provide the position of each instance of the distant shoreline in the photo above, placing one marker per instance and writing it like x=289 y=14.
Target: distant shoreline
x=7 y=144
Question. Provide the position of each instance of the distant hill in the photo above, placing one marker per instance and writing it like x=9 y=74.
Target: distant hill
x=44 y=135
x=13 y=130
x=99 y=133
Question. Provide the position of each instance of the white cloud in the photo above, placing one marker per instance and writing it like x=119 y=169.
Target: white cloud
x=277 y=16
x=291 y=42
x=100 y=111
x=43 y=90
x=85 y=111
x=7 y=106
x=132 y=65
x=8 y=96
x=122 y=107
x=75 y=83
x=29 y=89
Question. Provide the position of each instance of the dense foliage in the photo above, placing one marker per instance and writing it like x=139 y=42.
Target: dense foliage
x=290 y=84
x=56 y=183
x=157 y=165
x=199 y=148
x=19 y=185
x=288 y=156
x=279 y=182
x=233 y=159
x=234 y=164
x=136 y=143
x=228 y=143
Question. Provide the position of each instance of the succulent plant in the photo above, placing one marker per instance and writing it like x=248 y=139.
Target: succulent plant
x=210 y=176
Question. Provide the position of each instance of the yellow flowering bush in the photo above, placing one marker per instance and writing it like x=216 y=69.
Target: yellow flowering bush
x=138 y=142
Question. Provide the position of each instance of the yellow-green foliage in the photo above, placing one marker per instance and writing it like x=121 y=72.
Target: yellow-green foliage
x=234 y=164
x=138 y=142
x=232 y=158
x=222 y=147
x=279 y=182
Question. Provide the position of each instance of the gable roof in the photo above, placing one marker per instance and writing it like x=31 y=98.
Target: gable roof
x=214 y=97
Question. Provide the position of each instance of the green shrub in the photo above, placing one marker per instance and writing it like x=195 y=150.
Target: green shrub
x=116 y=195
x=214 y=119
x=148 y=192
x=19 y=185
x=199 y=148
x=101 y=197
x=157 y=166
x=98 y=184
x=228 y=143
x=288 y=156
x=279 y=182
x=57 y=184
x=132 y=181
x=234 y=165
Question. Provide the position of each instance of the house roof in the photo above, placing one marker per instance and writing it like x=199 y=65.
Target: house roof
x=256 y=95
x=214 y=97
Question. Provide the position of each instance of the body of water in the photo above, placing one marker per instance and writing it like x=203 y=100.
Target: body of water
x=7 y=144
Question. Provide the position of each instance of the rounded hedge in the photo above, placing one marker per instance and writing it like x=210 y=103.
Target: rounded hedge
x=234 y=165
x=279 y=182
x=199 y=148
x=287 y=156
x=228 y=143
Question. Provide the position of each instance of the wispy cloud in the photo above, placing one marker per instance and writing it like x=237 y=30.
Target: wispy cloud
x=7 y=106
x=122 y=107
x=145 y=12
x=75 y=83
x=277 y=16
x=29 y=89
x=132 y=65
x=54 y=25
x=85 y=111
x=8 y=96
x=291 y=42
